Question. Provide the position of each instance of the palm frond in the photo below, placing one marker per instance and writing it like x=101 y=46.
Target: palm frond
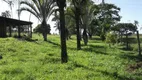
x=29 y=10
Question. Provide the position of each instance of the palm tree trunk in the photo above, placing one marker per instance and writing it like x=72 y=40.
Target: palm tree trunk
x=85 y=37
x=10 y=31
x=64 y=57
x=44 y=33
x=78 y=31
x=44 y=36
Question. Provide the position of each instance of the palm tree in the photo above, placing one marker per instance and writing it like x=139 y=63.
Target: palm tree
x=42 y=10
x=78 y=4
x=87 y=18
x=61 y=4
x=56 y=18
x=70 y=23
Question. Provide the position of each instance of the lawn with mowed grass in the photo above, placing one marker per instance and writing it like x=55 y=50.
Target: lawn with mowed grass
x=39 y=60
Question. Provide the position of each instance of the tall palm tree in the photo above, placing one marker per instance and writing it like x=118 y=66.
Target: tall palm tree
x=61 y=4
x=87 y=18
x=42 y=10
x=136 y=23
x=78 y=4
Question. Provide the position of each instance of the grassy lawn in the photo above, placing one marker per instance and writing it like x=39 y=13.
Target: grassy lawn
x=39 y=60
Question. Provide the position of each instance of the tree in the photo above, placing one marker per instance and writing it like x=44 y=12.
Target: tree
x=108 y=16
x=70 y=21
x=61 y=4
x=78 y=4
x=56 y=18
x=42 y=10
x=57 y=24
x=6 y=14
x=10 y=3
x=87 y=17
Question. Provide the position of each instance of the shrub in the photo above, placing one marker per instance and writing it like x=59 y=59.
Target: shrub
x=111 y=37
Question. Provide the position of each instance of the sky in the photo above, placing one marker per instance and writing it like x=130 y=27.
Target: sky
x=130 y=11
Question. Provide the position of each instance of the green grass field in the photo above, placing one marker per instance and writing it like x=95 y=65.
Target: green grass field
x=39 y=60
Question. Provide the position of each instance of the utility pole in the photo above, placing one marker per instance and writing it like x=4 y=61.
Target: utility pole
x=103 y=22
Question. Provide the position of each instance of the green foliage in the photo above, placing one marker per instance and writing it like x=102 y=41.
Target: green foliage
x=42 y=10
x=6 y=14
x=38 y=29
x=111 y=37
x=105 y=16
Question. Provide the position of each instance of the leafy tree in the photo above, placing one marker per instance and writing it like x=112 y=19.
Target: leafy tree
x=6 y=14
x=42 y=9
x=61 y=4
x=108 y=16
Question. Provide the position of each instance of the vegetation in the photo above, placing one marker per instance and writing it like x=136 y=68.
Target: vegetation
x=36 y=60
x=38 y=29
x=97 y=25
x=111 y=38
x=42 y=10
x=6 y=14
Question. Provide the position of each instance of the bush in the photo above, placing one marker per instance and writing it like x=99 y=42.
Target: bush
x=39 y=29
x=111 y=37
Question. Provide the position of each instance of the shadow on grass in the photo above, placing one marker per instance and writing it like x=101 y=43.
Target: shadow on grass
x=115 y=75
x=126 y=49
x=111 y=74
x=136 y=58
x=71 y=48
x=79 y=65
x=56 y=44
x=96 y=38
x=96 y=48
x=26 y=39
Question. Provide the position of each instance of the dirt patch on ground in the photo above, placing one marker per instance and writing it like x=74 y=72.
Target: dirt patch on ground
x=134 y=67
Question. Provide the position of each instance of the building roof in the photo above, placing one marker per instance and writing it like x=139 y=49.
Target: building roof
x=15 y=22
